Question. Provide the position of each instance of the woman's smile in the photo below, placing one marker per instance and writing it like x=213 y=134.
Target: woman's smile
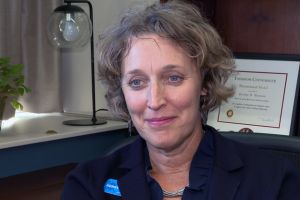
x=158 y=122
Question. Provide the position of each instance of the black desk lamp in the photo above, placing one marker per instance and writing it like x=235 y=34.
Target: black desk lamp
x=68 y=27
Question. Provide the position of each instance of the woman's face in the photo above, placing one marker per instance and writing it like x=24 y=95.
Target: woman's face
x=162 y=89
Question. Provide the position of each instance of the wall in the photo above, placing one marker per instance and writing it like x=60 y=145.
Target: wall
x=76 y=62
x=259 y=26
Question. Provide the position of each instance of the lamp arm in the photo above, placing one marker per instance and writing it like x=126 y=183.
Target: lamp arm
x=94 y=118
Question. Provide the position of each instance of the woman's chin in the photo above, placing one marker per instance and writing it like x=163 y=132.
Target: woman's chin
x=162 y=144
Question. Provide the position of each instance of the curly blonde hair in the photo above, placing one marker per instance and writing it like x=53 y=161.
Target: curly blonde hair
x=181 y=23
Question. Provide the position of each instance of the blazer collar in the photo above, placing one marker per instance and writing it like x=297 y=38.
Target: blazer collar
x=133 y=184
x=228 y=170
x=133 y=155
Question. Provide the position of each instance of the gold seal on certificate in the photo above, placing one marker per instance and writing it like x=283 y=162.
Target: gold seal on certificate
x=229 y=113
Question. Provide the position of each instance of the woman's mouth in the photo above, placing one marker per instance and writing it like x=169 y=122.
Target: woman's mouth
x=159 y=121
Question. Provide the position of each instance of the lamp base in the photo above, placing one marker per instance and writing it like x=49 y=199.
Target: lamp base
x=84 y=122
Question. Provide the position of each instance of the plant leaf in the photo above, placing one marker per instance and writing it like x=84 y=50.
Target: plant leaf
x=16 y=105
x=12 y=80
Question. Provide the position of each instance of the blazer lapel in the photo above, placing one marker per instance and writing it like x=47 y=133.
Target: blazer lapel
x=225 y=184
x=133 y=184
x=228 y=170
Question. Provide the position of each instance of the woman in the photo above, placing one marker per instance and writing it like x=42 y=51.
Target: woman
x=165 y=68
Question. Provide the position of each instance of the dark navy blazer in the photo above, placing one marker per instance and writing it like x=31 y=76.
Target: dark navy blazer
x=240 y=172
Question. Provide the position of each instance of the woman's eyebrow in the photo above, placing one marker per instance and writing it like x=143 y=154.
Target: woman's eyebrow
x=134 y=72
x=164 y=69
x=170 y=67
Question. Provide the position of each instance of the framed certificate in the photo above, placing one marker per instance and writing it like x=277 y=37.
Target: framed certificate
x=265 y=99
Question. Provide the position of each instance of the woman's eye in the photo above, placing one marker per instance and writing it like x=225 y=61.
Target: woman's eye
x=175 y=79
x=135 y=83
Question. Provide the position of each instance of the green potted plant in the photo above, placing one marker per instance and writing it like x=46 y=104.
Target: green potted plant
x=11 y=85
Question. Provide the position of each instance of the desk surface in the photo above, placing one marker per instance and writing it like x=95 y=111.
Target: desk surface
x=27 y=129
x=25 y=146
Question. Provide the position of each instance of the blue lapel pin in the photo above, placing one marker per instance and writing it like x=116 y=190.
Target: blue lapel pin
x=111 y=187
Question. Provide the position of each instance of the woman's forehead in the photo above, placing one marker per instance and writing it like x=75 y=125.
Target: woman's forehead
x=154 y=55
x=140 y=44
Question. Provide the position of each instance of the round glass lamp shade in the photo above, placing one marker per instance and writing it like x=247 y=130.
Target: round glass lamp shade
x=69 y=26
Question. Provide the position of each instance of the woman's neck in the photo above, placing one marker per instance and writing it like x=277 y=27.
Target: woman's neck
x=171 y=168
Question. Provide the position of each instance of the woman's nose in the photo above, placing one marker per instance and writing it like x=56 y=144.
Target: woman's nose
x=155 y=96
